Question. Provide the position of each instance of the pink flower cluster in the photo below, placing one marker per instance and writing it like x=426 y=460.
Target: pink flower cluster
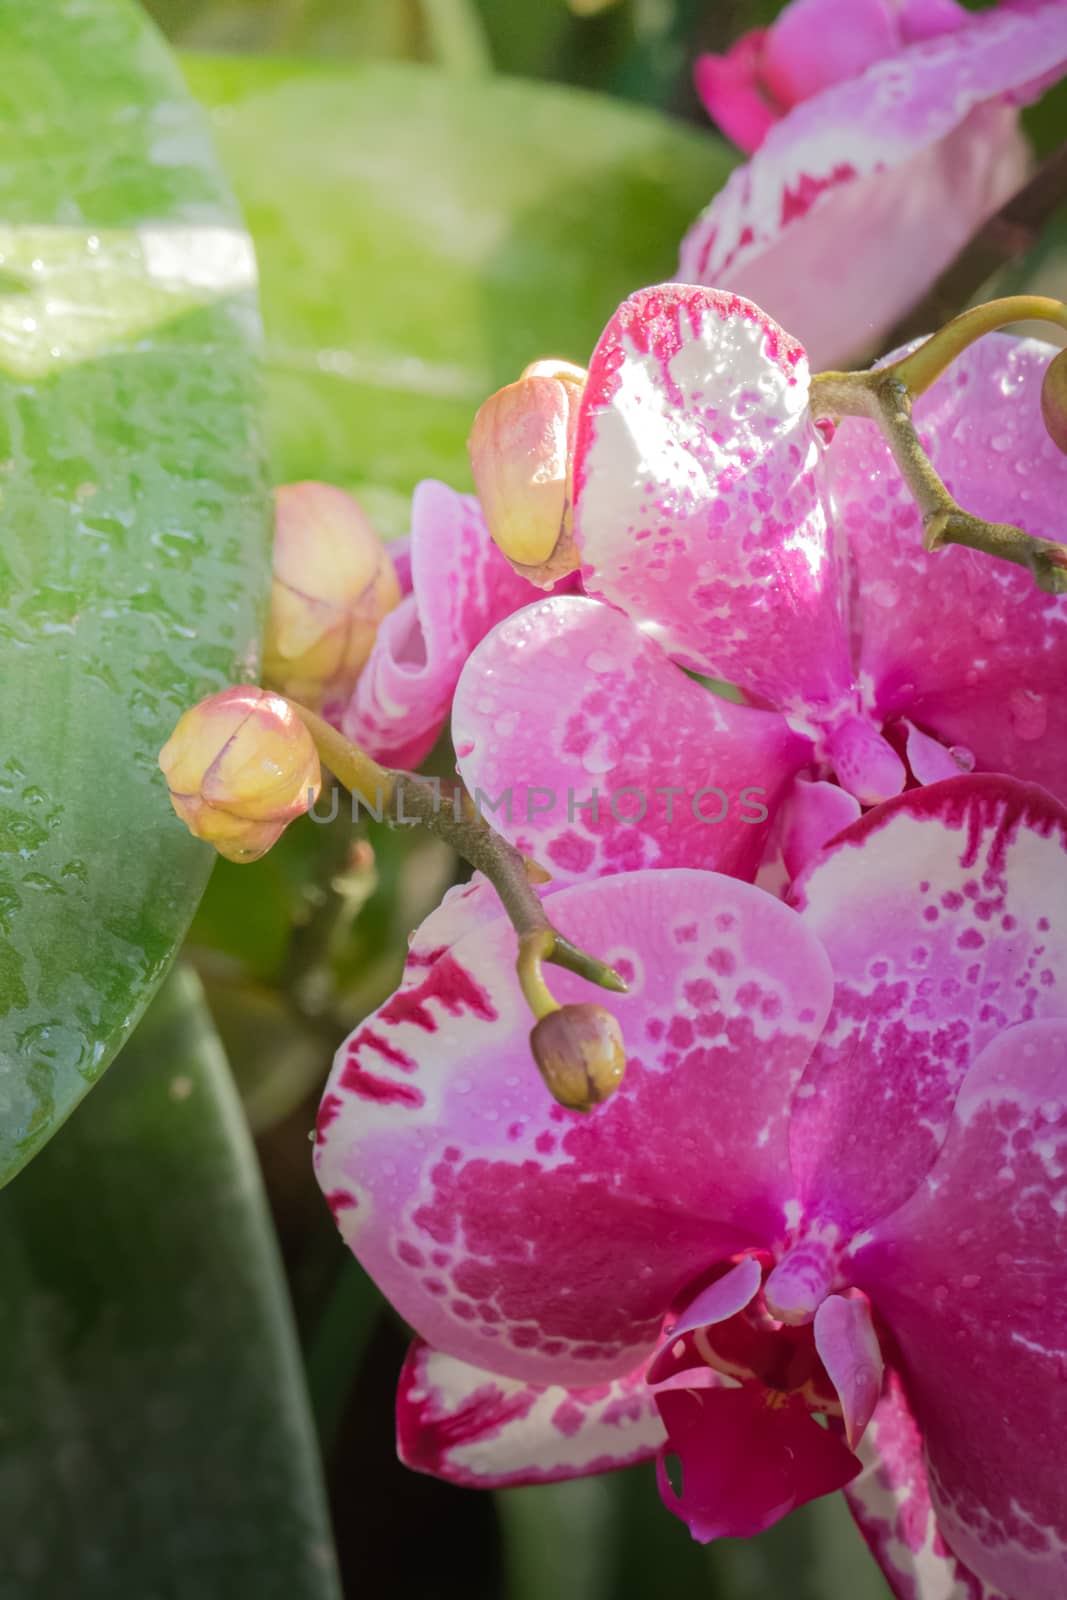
x=817 y=1238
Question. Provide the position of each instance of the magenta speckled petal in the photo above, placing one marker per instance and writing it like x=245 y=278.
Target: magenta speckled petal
x=461 y=586
x=567 y=700
x=698 y=495
x=487 y=1432
x=539 y=1242
x=961 y=644
x=848 y=1348
x=748 y=1457
x=920 y=149
x=943 y=916
x=891 y=1504
x=969 y=1274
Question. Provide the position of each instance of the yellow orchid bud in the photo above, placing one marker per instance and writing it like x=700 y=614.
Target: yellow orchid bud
x=579 y=1053
x=522 y=456
x=333 y=584
x=240 y=766
x=1054 y=400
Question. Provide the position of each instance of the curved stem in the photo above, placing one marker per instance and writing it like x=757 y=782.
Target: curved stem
x=885 y=396
x=920 y=369
x=470 y=835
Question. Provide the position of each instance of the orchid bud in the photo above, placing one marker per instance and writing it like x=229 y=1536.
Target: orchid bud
x=522 y=456
x=1054 y=400
x=333 y=584
x=240 y=766
x=579 y=1053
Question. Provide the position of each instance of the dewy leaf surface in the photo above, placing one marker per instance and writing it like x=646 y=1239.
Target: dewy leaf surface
x=134 y=526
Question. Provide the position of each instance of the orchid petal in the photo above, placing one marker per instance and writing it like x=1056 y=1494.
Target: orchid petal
x=813 y=814
x=984 y=671
x=848 y=1348
x=969 y=1275
x=487 y=1432
x=539 y=1242
x=723 y=1298
x=890 y=1501
x=921 y=148
x=817 y=43
x=928 y=759
x=729 y=86
x=748 y=1457
x=566 y=701
x=698 y=494
x=942 y=913
x=461 y=586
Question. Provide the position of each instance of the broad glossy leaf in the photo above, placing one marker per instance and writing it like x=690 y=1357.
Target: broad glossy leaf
x=134 y=526
x=421 y=238
x=157 y=1441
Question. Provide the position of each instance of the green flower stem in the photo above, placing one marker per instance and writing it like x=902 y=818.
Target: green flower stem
x=885 y=395
x=920 y=369
x=452 y=818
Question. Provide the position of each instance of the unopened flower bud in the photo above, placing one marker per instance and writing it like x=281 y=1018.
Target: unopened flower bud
x=333 y=584
x=579 y=1053
x=522 y=456
x=240 y=766
x=1054 y=400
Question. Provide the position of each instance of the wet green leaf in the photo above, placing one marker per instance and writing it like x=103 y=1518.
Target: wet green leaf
x=421 y=238
x=134 y=527
x=157 y=1437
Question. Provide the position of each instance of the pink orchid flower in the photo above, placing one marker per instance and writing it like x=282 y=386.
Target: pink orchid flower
x=458 y=585
x=825 y=1213
x=884 y=136
x=721 y=534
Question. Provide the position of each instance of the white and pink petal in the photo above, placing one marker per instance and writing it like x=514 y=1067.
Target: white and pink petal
x=538 y=1242
x=942 y=913
x=921 y=147
x=594 y=753
x=969 y=1276
x=964 y=646
x=485 y=1431
x=460 y=586
x=890 y=1501
x=699 y=506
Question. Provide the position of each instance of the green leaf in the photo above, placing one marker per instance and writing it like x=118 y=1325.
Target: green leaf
x=134 y=527
x=422 y=238
x=157 y=1441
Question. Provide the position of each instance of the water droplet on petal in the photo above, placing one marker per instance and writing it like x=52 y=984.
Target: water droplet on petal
x=883 y=593
x=1029 y=713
